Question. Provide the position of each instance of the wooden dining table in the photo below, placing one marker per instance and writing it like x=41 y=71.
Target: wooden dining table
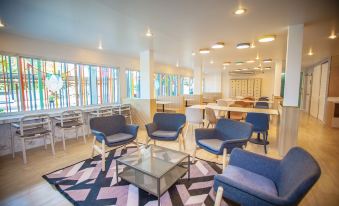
x=163 y=103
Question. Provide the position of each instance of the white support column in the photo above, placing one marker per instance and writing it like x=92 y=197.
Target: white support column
x=123 y=84
x=293 y=64
x=146 y=74
x=277 y=78
x=289 y=116
x=197 y=73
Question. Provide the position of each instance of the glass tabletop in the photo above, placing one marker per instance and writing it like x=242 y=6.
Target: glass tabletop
x=153 y=160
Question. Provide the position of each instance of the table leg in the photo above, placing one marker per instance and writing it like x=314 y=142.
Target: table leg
x=203 y=117
x=186 y=103
x=229 y=114
x=117 y=170
x=158 y=190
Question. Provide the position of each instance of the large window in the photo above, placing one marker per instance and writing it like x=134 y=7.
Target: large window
x=166 y=85
x=32 y=84
x=186 y=85
x=133 y=83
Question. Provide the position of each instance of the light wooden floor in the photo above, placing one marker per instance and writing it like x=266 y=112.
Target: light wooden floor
x=23 y=185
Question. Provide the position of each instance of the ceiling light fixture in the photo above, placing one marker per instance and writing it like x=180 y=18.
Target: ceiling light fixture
x=211 y=62
x=177 y=64
x=243 y=46
x=333 y=35
x=1 y=24
x=267 y=38
x=237 y=70
x=149 y=33
x=257 y=58
x=310 y=52
x=267 y=60
x=267 y=68
x=218 y=45
x=256 y=68
x=245 y=69
x=204 y=51
x=226 y=63
x=252 y=45
x=250 y=61
x=193 y=53
x=239 y=63
x=100 y=45
x=240 y=11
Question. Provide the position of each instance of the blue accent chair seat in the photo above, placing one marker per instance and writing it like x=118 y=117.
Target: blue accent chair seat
x=221 y=140
x=256 y=180
x=111 y=131
x=166 y=127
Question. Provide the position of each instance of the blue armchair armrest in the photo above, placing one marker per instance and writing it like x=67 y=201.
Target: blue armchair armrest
x=98 y=135
x=259 y=164
x=202 y=133
x=150 y=128
x=132 y=129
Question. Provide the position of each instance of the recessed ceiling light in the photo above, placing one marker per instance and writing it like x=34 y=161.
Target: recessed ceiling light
x=250 y=61
x=239 y=63
x=100 y=45
x=177 y=64
x=1 y=24
x=224 y=68
x=218 y=45
x=267 y=38
x=333 y=35
x=243 y=45
x=310 y=52
x=211 y=62
x=245 y=69
x=240 y=11
x=267 y=68
x=204 y=51
x=267 y=60
x=193 y=53
x=226 y=63
x=253 y=45
x=237 y=70
x=256 y=68
x=149 y=33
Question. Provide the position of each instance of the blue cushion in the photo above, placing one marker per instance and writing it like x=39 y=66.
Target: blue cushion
x=119 y=137
x=212 y=144
x=247 y=181
x=164 y=134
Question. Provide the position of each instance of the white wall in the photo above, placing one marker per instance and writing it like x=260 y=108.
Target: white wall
x=16 y=45
x=267 y=87
x=212 y=82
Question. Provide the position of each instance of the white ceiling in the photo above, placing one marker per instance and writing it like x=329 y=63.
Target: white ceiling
x=179 y=27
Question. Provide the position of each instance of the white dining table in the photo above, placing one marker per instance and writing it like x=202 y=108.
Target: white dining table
x=236 y=109
x=244 y=100
x=163 y=103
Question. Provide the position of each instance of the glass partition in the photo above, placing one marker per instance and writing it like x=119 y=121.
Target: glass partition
x=166 y=85
x=29 y=84
x=186 y=85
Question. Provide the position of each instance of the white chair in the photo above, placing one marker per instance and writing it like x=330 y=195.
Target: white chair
x=32 y=127
x=102 y=112
x=193 y=117
x=125 y=110
x=71 y=120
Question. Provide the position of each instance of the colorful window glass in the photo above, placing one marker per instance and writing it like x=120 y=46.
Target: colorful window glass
x=29 y=84
x=133 y=83
x=166 y=85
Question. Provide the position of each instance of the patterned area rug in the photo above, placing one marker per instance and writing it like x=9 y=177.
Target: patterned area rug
x=84 y=184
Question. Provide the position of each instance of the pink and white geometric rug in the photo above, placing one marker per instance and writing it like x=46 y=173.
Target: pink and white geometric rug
x=83 y=183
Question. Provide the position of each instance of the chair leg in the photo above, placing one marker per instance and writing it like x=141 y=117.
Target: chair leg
x=137 y=143
x=83 y=134
x=63 y=139
x=218 y=196
x=154 y=142
x=224 y=156
x=188 y=125
x=208 y=125
x=76 y=132
x=23 y=150
x=45 y=144
x=93 y=150
x=183 y=141
x=194 y=153
x=103 y=155
x=52 y=144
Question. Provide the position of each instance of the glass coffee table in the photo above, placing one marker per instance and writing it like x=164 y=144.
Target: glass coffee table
x=153 y=168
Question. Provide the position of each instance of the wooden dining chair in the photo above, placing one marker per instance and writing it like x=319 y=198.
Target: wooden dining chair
x=238 y=116
x=32 y=127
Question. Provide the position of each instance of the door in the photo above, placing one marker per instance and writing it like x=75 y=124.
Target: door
x=323 y=91
x=315 y=91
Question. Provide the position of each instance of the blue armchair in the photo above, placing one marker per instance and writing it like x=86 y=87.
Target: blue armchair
x=262 y=105
x=167 y=127
x=221 y=140
x=111 y=131
x=255 y=180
